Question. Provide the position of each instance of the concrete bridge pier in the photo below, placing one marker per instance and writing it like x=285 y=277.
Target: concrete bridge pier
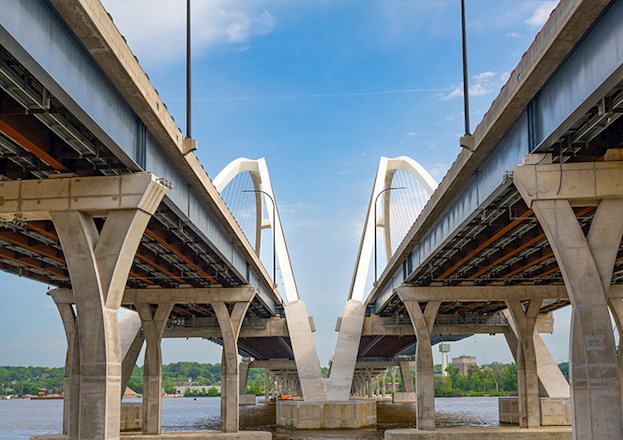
x=131 y=337
x=586 y=264
x=527 y=375
x=99 y=265
x=423 y=322
x=393 y=373
x=98 y=262
x=230 y=325
x=71 y=382
x=154 y=323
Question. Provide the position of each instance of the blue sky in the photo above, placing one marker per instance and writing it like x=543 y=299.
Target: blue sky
x=321 y=89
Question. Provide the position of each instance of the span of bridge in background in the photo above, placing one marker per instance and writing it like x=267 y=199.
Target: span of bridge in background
x=298 y=322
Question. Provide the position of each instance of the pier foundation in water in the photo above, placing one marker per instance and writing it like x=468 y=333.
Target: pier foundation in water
x=326 y=415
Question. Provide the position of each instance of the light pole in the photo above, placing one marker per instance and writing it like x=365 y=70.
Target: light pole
x=273 y=227
x=188 y=73
x=376 y=200
x=465 y=75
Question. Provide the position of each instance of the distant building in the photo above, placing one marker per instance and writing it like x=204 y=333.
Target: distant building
x=462 y=363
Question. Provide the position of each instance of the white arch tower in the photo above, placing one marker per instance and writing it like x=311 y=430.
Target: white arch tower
x=303 y=344
x=343 y=366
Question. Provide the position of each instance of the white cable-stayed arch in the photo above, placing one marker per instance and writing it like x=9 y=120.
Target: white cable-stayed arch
x=413 y=197
x=260 y=179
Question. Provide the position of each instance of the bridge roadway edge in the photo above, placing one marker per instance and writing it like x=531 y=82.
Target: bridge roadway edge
x=124 y=86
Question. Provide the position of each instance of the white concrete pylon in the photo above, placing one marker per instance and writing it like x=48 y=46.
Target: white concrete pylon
x=347 y=345
x=382 y=182
x=303 y=344
x=261 y=182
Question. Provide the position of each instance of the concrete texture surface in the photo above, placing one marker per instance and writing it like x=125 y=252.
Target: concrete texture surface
x=326 y=415
x=559 y=433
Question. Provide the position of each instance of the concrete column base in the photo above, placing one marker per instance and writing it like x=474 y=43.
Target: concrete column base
x=404 y=397
x=131 y=417
x=554 y=411
x=326 y=415
x=203 y=435
x=247 y=399
x=477 y=433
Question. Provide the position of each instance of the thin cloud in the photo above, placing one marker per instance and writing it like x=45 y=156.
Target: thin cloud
x=156 y=31
x=482 y=84
x=542 y=13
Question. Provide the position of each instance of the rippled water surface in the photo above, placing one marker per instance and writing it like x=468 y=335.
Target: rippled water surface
x=20 y=419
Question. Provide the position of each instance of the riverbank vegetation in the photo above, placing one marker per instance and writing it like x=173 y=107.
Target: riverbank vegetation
x=490 y=379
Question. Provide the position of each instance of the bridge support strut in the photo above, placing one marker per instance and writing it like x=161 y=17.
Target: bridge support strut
x=230 y=325
x=423 y=322
x=154 y=323
x=525 y=355
x=586 y=264
x=71 y=382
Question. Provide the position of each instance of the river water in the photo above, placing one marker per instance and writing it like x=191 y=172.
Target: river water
x=20 y=419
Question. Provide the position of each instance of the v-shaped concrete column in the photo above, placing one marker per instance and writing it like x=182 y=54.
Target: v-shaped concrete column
x=527 y=377
x=132 y=339
x=99 y=263
x=586 y=264
x=424 y=381
x=304 y=347
x=154 y=323
x=552 y=382
x=230 y=325
x=345 y=357
x=406 y=376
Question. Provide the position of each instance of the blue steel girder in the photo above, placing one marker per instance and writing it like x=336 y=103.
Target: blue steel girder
x=37 y=37
x=579 y=99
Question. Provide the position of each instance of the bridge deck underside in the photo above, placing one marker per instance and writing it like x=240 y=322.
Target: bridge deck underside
x=40 y=138
x=503 y=245
x=263 y=348
x=388 y=347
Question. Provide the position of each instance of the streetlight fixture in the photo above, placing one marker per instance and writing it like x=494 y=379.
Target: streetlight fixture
x=465 y=74
x=273 y=228
x=376 y=200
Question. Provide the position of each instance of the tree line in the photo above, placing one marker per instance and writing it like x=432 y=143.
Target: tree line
x=491 y=379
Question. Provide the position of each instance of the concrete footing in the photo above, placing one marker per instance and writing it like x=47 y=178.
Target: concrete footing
x=131 y=417
x=477 y=433
x=247 y=399
x=326 y=415
x=203 y=435
x=554 y=411
x=404 y=397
